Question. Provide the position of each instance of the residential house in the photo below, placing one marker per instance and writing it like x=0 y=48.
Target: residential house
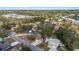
x=53 y=43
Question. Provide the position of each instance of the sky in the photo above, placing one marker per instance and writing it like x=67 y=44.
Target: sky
x=39 y=4
x=39 y=8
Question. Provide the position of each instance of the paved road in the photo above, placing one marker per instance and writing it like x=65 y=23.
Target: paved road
x=33 y=48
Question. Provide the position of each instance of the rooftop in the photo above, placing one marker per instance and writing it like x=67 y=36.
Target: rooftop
x=0 y=39
x=4 y=46
x=52 y=42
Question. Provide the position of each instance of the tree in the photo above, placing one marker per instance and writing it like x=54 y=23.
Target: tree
x=25 y=48
x=46 y=31
x=67 y=37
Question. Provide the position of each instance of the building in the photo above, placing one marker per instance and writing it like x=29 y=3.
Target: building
x=1 y=39
x=36 y=42
x=52 y=43
x=4 y=46
x=76 y=49
x=13 y=16
x=9 y=44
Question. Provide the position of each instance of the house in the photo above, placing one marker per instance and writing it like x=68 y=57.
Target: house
x=76 y=49
x=53 y=43
x=9 y=44
x=15 y=43
x=1 y=39
x=36 y=42
x=4 y=46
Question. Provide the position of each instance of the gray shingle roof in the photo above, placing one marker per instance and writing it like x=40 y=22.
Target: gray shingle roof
x=4 y=46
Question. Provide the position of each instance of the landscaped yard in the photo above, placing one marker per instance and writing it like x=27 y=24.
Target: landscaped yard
x=43 y=46
x=29 y=39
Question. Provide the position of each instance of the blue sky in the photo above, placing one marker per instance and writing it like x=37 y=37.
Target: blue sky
x=39 y=8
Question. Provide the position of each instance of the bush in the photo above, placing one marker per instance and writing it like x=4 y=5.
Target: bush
x=25 y=48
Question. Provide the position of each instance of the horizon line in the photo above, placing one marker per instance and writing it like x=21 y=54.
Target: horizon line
x=39 y=8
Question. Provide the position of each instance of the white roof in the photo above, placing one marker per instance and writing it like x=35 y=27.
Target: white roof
x=76 y=49
x=36 y=42
x=15 y=43
x=0 y=39
x=52 y=42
